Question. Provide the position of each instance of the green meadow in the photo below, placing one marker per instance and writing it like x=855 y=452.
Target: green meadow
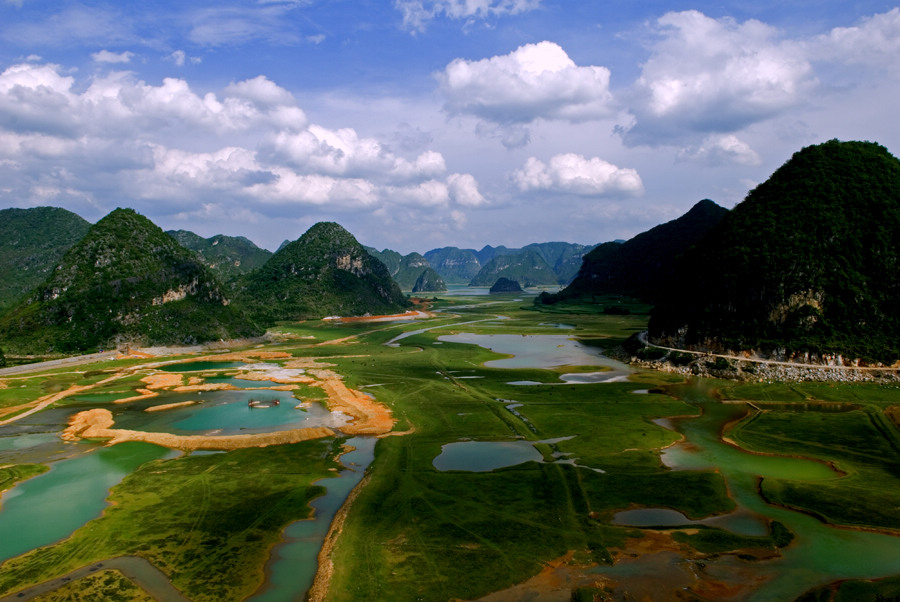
x=418 y=533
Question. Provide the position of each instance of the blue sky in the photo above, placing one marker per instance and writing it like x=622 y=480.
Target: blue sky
x=424 y=123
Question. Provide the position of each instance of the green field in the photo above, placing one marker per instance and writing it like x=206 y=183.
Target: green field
x=417 y=533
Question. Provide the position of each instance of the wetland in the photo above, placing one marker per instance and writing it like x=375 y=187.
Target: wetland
x=516 y=452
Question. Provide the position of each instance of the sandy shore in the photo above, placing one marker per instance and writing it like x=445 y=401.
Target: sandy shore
x=169 y=406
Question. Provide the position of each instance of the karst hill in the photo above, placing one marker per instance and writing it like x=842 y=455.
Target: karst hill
x=124 y=281
x=808 y=264
x=324 y=272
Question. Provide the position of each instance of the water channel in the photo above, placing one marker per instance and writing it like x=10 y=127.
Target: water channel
x=819 y=554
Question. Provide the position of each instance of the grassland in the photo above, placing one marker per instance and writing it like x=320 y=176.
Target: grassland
x=844 y=424
x=10 y=475
x=415 y=532
x=205 y=520
x=109 y=585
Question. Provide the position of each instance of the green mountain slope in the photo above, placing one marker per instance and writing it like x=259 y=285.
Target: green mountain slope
x=456 y=266
x=637 y=267
x=227 y=256
x=807 y=263
x=565 y=258
x=32 y=241
x=429 y=281
x=324 y=272
x=528 y=268
x=404 y=269
x=124 y=281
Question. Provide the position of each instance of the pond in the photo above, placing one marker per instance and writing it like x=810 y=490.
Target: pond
x=485 y=456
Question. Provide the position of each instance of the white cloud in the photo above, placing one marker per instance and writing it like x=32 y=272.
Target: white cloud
x=875 y=41
x=464 y=190
x=168 y=146
x=178 y=57
x=722 y=150
x=715 y=75
x=417 y=14
x=574 y=174
x=105 y=56
x=536 y=81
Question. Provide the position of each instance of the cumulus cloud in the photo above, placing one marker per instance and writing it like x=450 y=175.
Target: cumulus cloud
x=105 y=56
x=114 y=137
x=417 y=14
x=464 y=190
x=710 y=75
x=721 y=150
x=535 y=81
x=875 y=41
x=574 y=174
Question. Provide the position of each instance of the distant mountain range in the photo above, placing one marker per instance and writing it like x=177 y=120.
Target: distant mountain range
x=227 y=256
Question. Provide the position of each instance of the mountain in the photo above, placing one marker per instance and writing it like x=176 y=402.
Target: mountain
x=404 y=269
x=324 y=272
x=526 y=267
x=32 y=241
x=124 y=281
x=227 y=256
x=638 y=266
x=565 y=258
x=429 y=282
x=505 y=285
x=807 y=263
x=456 y=266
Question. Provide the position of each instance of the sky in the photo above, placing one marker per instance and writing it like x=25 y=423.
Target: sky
x=419 y=124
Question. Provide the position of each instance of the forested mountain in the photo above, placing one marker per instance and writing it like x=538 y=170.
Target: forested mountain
x=456 y=266
x=124 y=281
x=807 y=263
x=32 y=242
x=404 y=269
x=227 y=256
x=324 y=272
x=429 y=282
x=638 y=266
x=528 y=268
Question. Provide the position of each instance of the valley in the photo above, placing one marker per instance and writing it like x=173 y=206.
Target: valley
x=756 y=473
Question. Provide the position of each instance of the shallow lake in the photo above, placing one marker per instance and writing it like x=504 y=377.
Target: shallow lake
x=71 y=493
x=545 y=351
x=226 y=413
